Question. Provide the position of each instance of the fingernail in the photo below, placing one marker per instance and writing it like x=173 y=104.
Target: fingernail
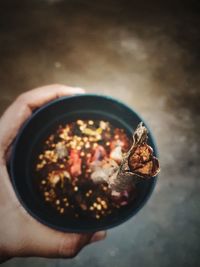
x=79 y=90
x=72 y=90
x=98 y=236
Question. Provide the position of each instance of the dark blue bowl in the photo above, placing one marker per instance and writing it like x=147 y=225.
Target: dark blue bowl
x=34 y=132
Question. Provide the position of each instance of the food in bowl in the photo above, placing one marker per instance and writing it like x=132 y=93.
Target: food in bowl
x=90 y=168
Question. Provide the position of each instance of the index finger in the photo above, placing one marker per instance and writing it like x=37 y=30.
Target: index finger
x=22 y=107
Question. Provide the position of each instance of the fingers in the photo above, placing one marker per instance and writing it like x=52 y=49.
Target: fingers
x=77 y=242
x=23 y=106
x=28 y=237
x=39 y=96
x=46 y=242
x=98 y=236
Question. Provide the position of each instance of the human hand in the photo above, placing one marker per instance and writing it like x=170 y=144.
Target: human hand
x=20 y=234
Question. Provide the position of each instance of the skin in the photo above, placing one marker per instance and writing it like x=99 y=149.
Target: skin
x=20 y=234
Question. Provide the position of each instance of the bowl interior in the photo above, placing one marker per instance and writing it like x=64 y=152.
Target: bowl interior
x=37 y=129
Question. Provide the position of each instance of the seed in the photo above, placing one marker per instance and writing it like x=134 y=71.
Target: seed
x=97 y=216
x=62 y=210
x=76 y=188
x=87 y=145
x=82 y=154
x=95 y=145
x=43 y=182
x=99 y=207
x=105 y=206
x=79 y=122
x=98 y=137
x=90 y=122
x=91 y=208
x=39 y=166
x=99 y=199
x=57 y=202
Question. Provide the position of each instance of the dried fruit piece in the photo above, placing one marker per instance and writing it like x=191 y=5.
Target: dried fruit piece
x=138 y=163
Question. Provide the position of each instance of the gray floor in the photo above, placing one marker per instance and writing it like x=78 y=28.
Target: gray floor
x=144 y=53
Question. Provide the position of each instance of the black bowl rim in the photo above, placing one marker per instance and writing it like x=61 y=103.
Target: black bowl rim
x=78 y=230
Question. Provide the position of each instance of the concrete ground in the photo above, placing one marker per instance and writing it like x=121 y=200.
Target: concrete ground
x=145 y=53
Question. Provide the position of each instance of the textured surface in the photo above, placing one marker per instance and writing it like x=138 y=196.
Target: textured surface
x=147 y=56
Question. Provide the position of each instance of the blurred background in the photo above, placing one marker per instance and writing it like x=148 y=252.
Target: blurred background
x=145 y=53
